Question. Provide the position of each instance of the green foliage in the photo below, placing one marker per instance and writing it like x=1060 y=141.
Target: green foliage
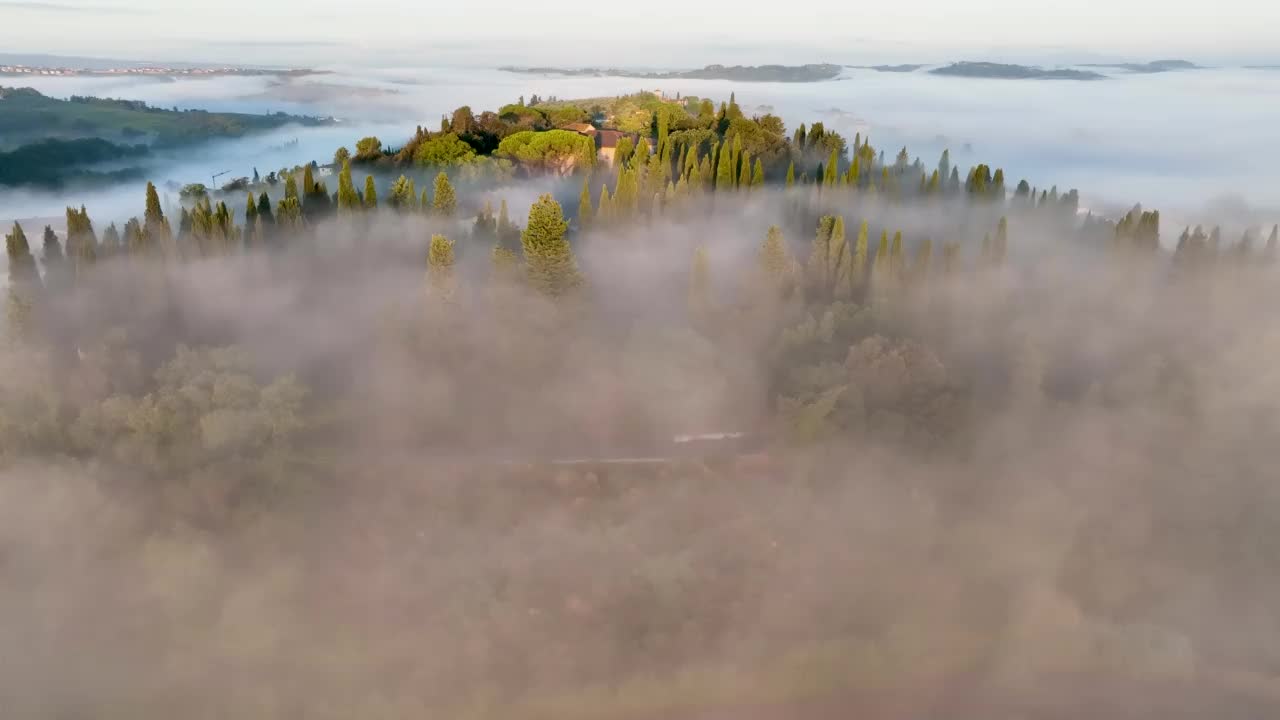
x=369 y=148
x=370 y=193
x=444 y=151
x=548 y=258
x=554 y=151
x=341 y=157
x=791 y=175
x=584 y=206
x=776 y=265
x=440 y=268
x=404 y=197
x=348 y=198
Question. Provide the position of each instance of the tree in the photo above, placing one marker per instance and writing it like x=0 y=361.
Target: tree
x=110 y=241
x=896 y=261
x=348 y=199
x=791 y=169
x=82 y=244
x=404 y=197
x=775 y=261
x=724 y=169
x=445 y=203
x=341 y=157
x=24 y=282
x=370 y=193
x=551 y=266
x=584 y=206
x=924 y=257
x=858 y=271
x=444 y=151
x=832 y=170
x=700 y=284
x=440 y=271
x=559 y=152
x=757 y=175
x=369 y=148
x=880 y=271
x=604 y=208
x=1001 y=246
x=264 y=214
x=744 y=175
x=508 y=233
x=291 y=187
x=155 y=228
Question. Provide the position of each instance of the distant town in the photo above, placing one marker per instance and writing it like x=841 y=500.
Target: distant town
x=158 y=70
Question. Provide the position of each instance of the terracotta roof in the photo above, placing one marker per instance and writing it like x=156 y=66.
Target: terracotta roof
x=582 y=128
x=610 y=138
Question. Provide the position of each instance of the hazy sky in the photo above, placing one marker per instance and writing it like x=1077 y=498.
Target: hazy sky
x=423 y=31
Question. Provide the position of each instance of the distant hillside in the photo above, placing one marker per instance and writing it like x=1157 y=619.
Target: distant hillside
x=52 y=163
x=737 y=73
x=889 y=68
x=1012 y=72
x=26 y=116
x=1157 y=66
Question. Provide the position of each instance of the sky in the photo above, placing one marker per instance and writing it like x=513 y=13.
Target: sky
x=424 y=32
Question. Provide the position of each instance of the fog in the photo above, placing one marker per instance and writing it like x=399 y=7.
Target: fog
x=1049 y=494
x=1188 y=143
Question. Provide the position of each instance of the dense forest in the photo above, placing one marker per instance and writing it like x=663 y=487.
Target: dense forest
x=374 y=449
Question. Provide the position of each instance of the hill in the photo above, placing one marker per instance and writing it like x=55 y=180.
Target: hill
x=1002 y=71
x=27 y=116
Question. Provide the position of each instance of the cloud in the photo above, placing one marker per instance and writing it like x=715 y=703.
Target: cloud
x=60 y=7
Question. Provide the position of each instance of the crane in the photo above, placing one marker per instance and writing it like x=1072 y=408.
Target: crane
x=214 y=180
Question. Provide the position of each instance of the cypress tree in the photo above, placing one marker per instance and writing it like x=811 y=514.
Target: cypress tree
x=403 y=195
x=757 y=174
x=56 y=276
x=348 y=199
x=584 y=206
x=944 y=165
x=818 y=267
x=605 y=206
x=844 y=282
x=1001 y=246
x=895 y=257
x=135 y=240
x=880 y=271
x=551 y=266
x=264 y=210
x=858 y=272
x=775 y=262
x=700 y=284
x=440 y=270
x=791 y=169
x=24 y=283
x=82 y=245
x=110 y=241
x=291 y=188
x=744 y=176
x=832 y=169
x=370 y=193
x=445 y=204
x=508 y=233
x=724 y=170
x=924 y=257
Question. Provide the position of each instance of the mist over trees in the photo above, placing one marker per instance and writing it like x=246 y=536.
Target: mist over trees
x=390 y=451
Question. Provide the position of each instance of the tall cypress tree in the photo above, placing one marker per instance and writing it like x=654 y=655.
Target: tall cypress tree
x=744 y=175
x=791 y=171
x=724 y=170
x=82 y=244
x=858 y=273
x=440 y=271
x=110 y=245
x=551 y=266
x=700 y=284
x=155 y=228
x=264 y=209
x=445 y=203
x=403 y=195
x=584 y=206
x=775 y=262
x=57 y=277
x=757 y=174
x=605 y=206
x=896 y=261
x=818 y=267
x=832 y=170
x=348 y=199
x=24 y=283
x=370 y=193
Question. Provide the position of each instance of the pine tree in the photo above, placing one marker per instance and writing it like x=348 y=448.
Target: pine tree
x=547 y=255
x=445 y=204
x=791 y=169
x=757 y=175
x=370 y=193
x=440 y=271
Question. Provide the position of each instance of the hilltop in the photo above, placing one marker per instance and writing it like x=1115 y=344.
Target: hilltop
x=1013 y=72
